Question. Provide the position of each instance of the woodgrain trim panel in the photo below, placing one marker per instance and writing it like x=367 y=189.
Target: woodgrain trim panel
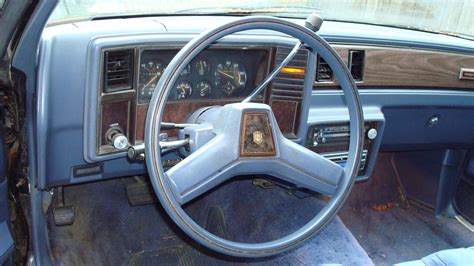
x=286 y=114
x=176 y=112
x=400 y=67
x=114 y=115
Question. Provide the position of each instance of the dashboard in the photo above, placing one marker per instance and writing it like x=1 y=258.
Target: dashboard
x=405 y=78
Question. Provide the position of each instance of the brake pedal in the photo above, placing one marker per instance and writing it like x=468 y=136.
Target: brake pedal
x=63 y=215
x=139 y=193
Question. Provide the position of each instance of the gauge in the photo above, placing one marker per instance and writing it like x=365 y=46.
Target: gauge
x=183 y=90
x=186 y=71
x=204 y=88
x=150 y=73
x=202 y=67
x=230 y=77
x=228 y=87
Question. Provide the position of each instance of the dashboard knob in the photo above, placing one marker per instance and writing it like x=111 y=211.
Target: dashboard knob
x=372 y=133
x=119 y=141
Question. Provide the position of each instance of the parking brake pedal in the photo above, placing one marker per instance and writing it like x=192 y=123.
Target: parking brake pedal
x=63 y=215
x=139 y=193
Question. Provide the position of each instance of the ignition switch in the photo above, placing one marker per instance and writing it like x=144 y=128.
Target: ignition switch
x=116 y=138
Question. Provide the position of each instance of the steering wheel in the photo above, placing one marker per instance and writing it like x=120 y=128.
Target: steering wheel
x=244 y=139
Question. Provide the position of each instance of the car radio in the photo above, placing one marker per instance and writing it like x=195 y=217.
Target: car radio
x=332 y=142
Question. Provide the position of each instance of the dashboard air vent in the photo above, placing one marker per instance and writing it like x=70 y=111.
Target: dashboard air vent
x=289 y=82
x=324 y=72
x=118 y=69
x=356 y=64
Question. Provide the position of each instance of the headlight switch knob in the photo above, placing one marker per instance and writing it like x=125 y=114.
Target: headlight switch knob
x=116 y=138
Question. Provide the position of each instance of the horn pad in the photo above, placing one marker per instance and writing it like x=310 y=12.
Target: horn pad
x=256 y=135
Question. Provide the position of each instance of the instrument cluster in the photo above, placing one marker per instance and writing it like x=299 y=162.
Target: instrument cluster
x=214 y=74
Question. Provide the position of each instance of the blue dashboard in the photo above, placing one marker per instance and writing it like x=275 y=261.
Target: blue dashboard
x=77 y=102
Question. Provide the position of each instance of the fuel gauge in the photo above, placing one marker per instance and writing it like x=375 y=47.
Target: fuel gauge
x=204 y=88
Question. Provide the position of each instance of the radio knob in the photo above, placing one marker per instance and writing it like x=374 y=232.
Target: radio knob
x=372 y=133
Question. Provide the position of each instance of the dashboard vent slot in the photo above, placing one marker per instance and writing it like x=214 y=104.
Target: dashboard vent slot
x=118 y=70
x=285 y=84
x=356 y=64
x=324 y=71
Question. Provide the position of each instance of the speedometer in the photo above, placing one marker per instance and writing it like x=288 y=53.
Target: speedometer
x=230 y=77
x=150 y=73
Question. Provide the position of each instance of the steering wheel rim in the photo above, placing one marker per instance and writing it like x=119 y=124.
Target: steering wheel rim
x=159 y=179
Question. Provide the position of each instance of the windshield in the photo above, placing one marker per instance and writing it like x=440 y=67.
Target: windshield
x=453 y=17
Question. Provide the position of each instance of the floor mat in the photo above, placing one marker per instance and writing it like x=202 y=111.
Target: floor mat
x=389 y=229
x=465 y=200
x=182 y=255
x=107 y=231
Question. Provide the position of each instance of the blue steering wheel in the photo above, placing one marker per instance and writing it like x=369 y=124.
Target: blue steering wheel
x=245 y=139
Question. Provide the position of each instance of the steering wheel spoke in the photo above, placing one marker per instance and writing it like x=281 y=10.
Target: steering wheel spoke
x=308 y=169
x=202 y=170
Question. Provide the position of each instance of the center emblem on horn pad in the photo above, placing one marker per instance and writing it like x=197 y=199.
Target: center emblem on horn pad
x=256 y=135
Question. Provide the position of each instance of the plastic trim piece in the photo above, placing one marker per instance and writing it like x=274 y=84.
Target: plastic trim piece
x=25 y=60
